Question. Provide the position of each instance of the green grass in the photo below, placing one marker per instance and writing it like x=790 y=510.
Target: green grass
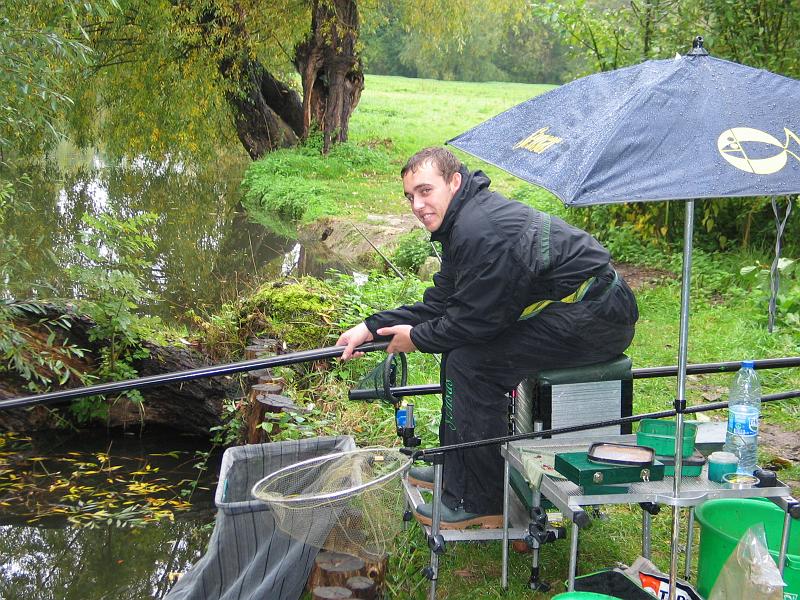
x=395 y=117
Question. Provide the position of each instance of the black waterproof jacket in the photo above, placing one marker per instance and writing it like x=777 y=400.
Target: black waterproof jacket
x=499 y=256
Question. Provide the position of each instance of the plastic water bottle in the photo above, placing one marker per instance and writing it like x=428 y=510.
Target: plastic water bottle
x=744 y=410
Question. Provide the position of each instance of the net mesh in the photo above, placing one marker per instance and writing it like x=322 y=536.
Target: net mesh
x=382 y=376
x=348 y=502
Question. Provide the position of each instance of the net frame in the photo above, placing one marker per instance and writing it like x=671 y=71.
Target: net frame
x=356 y=519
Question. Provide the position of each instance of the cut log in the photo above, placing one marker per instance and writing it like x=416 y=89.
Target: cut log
x=362 y=587
x=257 y=408
x=375 y=569
x=330 y=593
x=334 y=569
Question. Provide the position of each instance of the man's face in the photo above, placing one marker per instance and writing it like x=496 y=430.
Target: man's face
x=429 y=194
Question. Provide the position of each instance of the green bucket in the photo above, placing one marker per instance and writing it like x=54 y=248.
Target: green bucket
x=724 y=522
x=583 y=596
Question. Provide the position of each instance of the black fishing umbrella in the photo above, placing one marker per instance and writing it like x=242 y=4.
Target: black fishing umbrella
x=679 y=129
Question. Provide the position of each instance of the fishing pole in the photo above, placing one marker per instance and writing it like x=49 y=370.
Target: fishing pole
x=179 y=376
x=643 y=373
x=429 y=452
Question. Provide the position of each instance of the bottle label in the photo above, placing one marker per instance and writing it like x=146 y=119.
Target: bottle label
x=743 y=420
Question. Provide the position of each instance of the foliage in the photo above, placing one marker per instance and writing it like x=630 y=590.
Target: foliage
x=412 y=250
x=609 y=34
x=42 y=45
x=110 y=273
x=760 y=34
x=757 y=277
x=720 y=224
x=358 y=299
x=35 y=345
x=465 y=40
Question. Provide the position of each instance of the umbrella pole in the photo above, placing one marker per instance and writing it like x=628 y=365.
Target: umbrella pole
x=680 y=400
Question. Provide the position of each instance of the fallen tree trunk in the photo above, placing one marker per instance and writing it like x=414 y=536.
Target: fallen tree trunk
x=193 y=406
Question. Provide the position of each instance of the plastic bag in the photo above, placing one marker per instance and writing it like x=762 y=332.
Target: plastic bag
x=750 y=573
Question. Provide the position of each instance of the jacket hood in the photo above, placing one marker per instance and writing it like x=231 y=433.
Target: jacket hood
x=471 y=184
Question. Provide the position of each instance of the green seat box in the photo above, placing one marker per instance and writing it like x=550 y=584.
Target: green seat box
x=576 y=396
x=577 y=467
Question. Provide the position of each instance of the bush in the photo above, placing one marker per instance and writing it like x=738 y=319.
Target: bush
x=412 y=250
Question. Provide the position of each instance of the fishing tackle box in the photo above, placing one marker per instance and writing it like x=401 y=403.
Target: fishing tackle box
x=601 y=478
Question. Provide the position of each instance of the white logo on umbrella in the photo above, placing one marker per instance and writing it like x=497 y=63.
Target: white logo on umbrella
x=731 y=144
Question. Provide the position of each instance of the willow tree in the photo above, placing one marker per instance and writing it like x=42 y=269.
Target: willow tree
x=173 y=74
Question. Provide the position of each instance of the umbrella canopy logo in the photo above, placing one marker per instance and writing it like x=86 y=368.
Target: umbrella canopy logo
x=734 y=144
x=538 y=141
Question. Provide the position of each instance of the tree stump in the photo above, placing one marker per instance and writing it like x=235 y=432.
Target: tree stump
x=256 y=410
x=363 y=588
x=337 y=569
x=375 y=569
x=330 y=593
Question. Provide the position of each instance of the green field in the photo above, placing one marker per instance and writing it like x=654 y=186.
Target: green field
x=396 y=117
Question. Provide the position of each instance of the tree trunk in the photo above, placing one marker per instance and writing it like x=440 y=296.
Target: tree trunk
x=330 y=69
x=192 y=406
x=266 y=112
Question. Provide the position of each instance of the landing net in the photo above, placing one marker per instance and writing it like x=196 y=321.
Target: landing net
x=349 y=502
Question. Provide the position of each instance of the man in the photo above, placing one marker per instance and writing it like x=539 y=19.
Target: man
x=519 y=291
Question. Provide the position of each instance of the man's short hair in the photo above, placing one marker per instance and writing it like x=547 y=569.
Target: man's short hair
x=441 y=158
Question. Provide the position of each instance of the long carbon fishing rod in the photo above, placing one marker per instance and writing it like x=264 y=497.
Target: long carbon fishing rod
x=643 y=373
x=573 y=428
x=167 y=378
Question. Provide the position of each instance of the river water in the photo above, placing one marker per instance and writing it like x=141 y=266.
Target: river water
x=207 y=251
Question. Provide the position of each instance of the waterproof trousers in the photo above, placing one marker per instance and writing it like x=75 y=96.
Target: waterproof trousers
x=476 y=380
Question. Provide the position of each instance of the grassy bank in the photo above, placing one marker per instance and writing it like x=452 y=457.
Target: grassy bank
x=723 y=326
x=395 y=117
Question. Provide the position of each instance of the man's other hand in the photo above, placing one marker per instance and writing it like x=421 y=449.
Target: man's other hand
x=353 y=337
x=401 y=338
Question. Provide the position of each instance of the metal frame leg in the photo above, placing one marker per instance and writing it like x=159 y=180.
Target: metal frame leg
x=573 y=557
x=647 y=520
x=506 y=480
x=787 y=524
x=687 y=571
x=435 y=523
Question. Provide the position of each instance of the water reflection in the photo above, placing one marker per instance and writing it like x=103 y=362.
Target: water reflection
x=54 y=559
x=206 y=248
x=94 y=564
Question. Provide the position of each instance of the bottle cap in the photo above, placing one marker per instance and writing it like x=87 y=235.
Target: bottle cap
x=748 y=364
x=766 y=478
